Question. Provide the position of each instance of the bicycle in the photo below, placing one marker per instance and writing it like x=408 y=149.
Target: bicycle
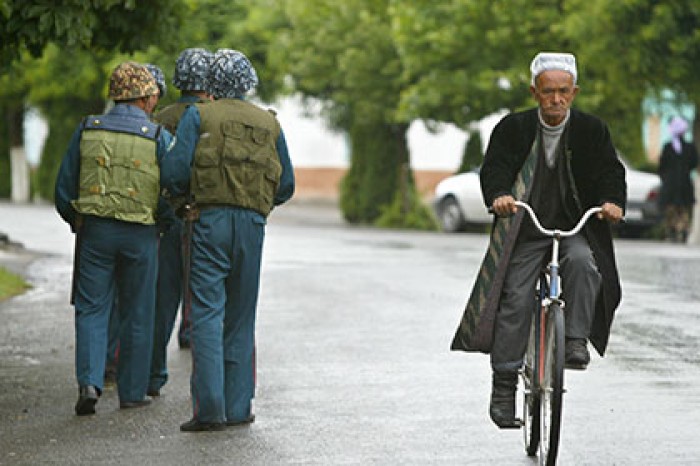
x=542 y=372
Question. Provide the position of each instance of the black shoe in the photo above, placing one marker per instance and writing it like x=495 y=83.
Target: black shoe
x=193 y=425
x=576 y=354
x=154 y=392
x=87 y=399
x=134 y=404
x=502 y=406
x=249 y=420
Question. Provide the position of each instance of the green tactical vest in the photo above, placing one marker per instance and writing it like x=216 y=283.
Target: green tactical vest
x=170 y=116
x=236 y=161
x=119 y=176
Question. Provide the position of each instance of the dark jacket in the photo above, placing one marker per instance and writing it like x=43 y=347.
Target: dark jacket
x=595 y=174
x=674 y=170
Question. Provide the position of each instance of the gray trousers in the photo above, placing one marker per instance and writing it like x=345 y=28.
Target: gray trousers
x=580 y=281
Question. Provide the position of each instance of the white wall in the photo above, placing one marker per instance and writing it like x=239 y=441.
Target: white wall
x=312 y=144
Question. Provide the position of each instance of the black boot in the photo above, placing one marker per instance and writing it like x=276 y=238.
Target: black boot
x=87 y=399
x=502 y=407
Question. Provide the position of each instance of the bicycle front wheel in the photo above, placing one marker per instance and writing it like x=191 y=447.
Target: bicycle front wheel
x=531 y=393
x=552 y=387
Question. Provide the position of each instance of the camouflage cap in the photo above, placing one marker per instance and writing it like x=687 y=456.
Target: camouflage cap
x=192 y=70
x=232 y=74
x=131 y=80
x=159 y=77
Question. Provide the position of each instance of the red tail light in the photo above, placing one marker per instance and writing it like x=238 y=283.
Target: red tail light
x=653 y=195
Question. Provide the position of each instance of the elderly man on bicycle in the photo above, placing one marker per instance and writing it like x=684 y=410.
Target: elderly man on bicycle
x=561 y=161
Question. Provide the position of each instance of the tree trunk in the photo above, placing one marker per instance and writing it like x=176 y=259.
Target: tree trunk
x=379 y=151
x=18 y=157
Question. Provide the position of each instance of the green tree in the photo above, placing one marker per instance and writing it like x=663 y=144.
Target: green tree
x=473 y=154
x=73 y=28
x=12 y=91
x=64 y=106
x=5 y=167
x=123 y=25
x=656 y=46
x=343 y=54
x=467 y=58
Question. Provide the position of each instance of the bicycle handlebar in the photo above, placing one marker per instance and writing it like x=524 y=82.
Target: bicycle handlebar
x=552 y=233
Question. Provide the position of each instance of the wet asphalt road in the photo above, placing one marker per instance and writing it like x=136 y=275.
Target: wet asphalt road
x=354 y=365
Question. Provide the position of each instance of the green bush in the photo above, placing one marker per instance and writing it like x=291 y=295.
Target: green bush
x=407 y=211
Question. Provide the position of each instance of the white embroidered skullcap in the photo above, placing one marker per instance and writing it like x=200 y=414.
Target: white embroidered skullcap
x=545 y=61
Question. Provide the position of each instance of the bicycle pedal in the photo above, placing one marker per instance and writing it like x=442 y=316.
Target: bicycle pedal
x=516 y=424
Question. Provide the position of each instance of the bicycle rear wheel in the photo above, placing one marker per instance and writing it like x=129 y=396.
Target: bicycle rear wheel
x=552 y=387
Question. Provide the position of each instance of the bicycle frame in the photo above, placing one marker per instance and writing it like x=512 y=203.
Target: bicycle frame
x=543 y=367
x=557 y=236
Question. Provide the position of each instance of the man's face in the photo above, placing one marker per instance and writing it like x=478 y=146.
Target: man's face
x=554 y=91
x=151 y=102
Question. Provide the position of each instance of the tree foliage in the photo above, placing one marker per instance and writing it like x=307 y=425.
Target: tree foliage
x=63 y=106
x=122 y=25
x=343 y=54
x=374 y=65
x=656 y=46
x=464 y=59
x=73 y=28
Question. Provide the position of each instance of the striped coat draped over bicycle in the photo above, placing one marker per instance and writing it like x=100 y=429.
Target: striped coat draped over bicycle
x=594 y=175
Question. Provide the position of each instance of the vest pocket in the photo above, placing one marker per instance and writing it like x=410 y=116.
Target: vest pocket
x=233 y=129
x=261 y=136
x=207 y=174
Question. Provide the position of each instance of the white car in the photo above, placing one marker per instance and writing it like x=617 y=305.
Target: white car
x=458 y=202
x=642 y=211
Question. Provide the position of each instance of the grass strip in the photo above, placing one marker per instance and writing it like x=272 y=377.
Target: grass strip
x=11 y=284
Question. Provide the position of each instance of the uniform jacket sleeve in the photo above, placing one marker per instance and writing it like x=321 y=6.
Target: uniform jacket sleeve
x=67 y=182
x=164 y=141
x=285 y=190
x=176 y=166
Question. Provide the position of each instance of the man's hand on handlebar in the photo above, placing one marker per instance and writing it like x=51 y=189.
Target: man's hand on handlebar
x=611 y=212
x=504 y=206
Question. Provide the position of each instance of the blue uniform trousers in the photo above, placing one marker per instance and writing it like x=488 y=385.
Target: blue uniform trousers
x=113 y=337
x=115 y=257
x=225 y=276
x=168 y=298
